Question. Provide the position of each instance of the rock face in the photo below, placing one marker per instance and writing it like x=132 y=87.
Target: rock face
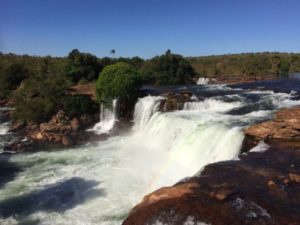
x=261 y=188
x=285 y=126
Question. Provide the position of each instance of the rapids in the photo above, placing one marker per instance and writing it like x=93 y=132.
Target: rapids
x=98 y=183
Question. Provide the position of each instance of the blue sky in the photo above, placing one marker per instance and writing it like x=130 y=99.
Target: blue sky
x=149 y=27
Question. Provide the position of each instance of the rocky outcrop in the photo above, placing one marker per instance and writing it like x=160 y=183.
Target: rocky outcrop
x=60 y=130
x=261 y=188
x=174 y=101
x=284 y=126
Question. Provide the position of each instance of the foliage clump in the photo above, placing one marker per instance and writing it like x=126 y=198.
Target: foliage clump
x=168 y=69
x=120 y=80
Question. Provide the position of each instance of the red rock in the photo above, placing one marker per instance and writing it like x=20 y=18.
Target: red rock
x=294 y=177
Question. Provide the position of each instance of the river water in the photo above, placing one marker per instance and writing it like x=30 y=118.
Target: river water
x=98 y=183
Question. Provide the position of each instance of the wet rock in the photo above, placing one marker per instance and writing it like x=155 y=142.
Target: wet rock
x=17 y=126
x=249 y=191
x=174 y=101
x=3 y=102
x=285 y=126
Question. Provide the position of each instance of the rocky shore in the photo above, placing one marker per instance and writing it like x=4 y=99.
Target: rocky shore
x=59 y=131
x=261 y=188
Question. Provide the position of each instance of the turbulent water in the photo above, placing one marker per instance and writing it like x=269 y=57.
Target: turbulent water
x=203 y=80
x=108 y=118
x=98 y=183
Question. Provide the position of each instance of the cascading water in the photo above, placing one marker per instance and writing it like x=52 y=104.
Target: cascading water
x=108 y=118
x=99 y=183
x=202 y=80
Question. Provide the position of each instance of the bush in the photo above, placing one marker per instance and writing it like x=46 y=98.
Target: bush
x=168 y=69
x=75 y=105
x=120 y=80
x=39 y=97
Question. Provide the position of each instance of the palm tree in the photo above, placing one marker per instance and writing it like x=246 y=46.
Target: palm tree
x=113 y=52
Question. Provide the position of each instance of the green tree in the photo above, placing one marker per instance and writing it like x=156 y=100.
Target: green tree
x=10 y=78
x=39 y=97
x=168 y=69
x=120 y=80
x=82 y=66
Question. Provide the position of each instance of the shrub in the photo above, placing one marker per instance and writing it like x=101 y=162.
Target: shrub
x=75 y=105
x=120 y=80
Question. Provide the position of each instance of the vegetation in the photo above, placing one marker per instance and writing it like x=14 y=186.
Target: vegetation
x=120 y=80
x=167 y=69
x=75 y=105
x=39 y=85
x=39 y=97
x=258 y=64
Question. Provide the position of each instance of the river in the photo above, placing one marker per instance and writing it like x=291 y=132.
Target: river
x=98 y=183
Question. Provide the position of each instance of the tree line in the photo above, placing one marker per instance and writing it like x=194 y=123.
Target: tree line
x=38 y=85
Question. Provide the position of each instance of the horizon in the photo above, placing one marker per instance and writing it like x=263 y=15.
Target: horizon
x=185 y=56
x=148 y=29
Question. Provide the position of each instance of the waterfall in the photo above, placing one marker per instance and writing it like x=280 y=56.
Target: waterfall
x=108 y=118
x=144 y=109
x=202 y=80
x=114 y=174
x=182 y=141
x=211 y=104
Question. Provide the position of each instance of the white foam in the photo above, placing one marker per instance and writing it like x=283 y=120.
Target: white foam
x=260 y=147
x=202 y=80
x=162 y=149
x=108 y=118
x=211 y=104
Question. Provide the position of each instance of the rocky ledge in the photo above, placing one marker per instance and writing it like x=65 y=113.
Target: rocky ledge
x=261 y=188
x=284 y=126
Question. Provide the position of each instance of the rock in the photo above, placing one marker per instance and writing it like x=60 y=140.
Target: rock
x=75 y=124
x=17 y=126
x=222 y=194
x=271 y=184
x=294 y=177
x=232 y=192
x=174 y=101
x=39 y=136
x=66 y=141
x=285 y=126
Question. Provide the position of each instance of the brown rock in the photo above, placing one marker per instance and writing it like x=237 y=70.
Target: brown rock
x=286 y=125
x=66 y=141
x=39 y=136
x=233 y=192
x=271 y=184
x=294 y=177
x=222 y=194
x=75 y=124
x=17 y=126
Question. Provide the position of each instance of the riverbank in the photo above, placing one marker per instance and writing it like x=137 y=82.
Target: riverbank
x=262 y=187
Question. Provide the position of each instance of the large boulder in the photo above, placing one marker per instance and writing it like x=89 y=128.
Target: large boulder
x=261 y=188
x=284 y=126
